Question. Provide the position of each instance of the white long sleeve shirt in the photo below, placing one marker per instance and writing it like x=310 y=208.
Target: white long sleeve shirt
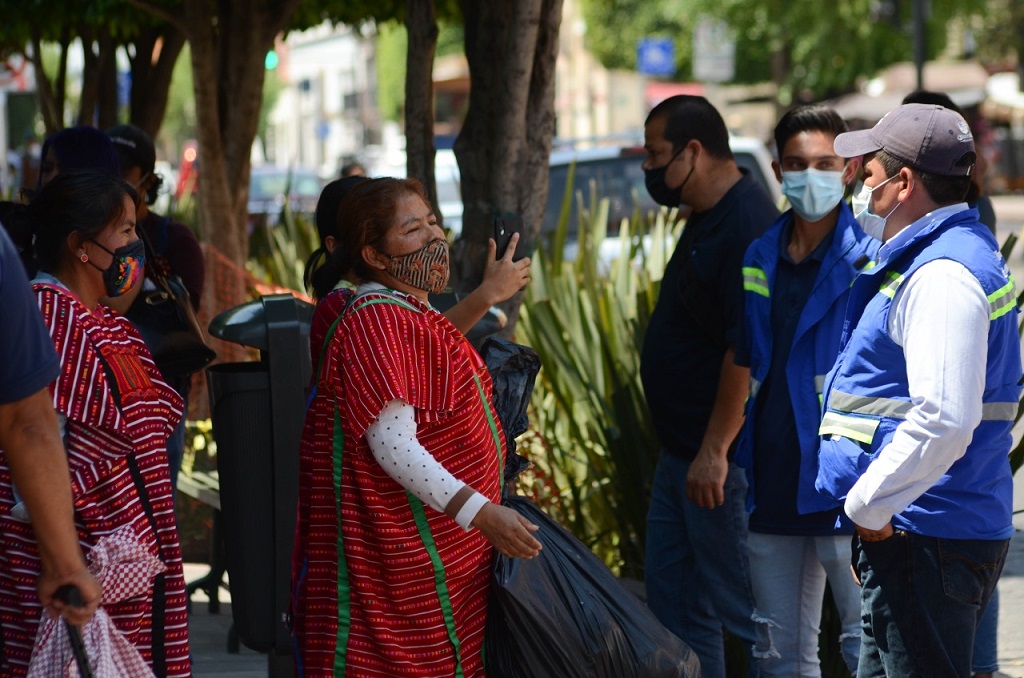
x=393 y=442
x=940 y=316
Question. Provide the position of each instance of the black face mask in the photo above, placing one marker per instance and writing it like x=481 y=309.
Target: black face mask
x=125 y=270
x=659 y=191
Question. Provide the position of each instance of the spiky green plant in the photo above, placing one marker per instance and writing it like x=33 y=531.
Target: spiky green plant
x=591 y=440
x=278 y=252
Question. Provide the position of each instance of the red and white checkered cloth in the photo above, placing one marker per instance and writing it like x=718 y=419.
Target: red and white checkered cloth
x=110 y=655
x=124 y=568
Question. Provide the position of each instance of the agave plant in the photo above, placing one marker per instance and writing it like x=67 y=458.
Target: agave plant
x=278 y=252
x=591 y=440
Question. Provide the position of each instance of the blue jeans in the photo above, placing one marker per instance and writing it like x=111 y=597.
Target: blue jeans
x=986 y=647
x=697 y=577
x=788 y=574
x=922 y=598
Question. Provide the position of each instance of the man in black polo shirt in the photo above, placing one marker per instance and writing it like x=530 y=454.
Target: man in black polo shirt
x=697 y=576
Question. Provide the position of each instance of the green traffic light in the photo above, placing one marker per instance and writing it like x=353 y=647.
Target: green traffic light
x=270 y=63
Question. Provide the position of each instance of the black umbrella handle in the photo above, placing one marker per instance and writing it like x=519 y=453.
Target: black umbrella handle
x=73 y=597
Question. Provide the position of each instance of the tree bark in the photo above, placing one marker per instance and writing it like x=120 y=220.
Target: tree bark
x=152 y=67
x=51 y=94
x=421 y=25
x=90 y=77
x=226 y=40
x=505 y=142
x=107 y=103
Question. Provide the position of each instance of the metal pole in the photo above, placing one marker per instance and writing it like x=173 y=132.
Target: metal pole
x=920 y=40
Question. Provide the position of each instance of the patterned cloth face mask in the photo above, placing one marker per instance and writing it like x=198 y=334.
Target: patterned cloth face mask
x=425 y=269
x=125 y=270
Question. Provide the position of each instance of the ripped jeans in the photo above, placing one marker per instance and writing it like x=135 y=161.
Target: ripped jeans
x=788 y=574
x=697 y=575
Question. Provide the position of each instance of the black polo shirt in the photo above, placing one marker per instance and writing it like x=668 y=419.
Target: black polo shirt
x=699 y=314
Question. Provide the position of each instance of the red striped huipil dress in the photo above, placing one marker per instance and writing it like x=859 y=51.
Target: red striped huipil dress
x=118 y=413
x=402 y=590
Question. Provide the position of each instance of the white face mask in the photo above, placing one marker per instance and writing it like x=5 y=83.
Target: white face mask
x=872 y=224
x=813 y=193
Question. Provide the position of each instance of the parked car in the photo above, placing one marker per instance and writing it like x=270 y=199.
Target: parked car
x=449 y=189
x=615 y=172
x=270 y=187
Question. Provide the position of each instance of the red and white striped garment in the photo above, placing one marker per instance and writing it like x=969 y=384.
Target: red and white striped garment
x=387 y=596
x=119 y=413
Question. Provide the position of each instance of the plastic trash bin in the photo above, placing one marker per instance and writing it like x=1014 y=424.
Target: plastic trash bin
x=257 y=410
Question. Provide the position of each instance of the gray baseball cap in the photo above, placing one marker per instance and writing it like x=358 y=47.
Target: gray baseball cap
x=927 y=137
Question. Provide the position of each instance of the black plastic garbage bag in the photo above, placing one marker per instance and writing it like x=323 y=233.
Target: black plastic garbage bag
x=513 y=370
x=565 y=614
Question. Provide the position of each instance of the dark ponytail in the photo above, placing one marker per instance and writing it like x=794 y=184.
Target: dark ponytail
x=314 y=276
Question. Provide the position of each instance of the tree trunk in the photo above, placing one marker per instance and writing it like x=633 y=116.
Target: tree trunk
x=421 y=25
x=90 y=78
x=227 y=72
x=156 y=51
x=107 y=104
x=505 y=143
x=98 y=103
x=51 y=94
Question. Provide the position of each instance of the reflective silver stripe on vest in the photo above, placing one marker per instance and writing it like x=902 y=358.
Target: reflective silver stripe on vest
x=860 y=429
x=819 y=386
x=755 y=386
x=1002 y=301
x=892 y=283
x=755 y=280
x=877 y=407
x=999 y=411
x=898 y=409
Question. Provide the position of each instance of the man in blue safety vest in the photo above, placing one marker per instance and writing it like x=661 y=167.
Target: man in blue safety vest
x=919 y=406
x=796 y=280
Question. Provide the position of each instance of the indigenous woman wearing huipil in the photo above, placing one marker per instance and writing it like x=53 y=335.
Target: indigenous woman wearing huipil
x=400 y=464
x=116 y=413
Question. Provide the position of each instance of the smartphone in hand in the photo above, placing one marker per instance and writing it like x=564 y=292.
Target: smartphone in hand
x=504 y=227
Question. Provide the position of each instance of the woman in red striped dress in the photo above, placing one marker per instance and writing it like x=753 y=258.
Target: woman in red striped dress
x=116 y=413
x=401 y=464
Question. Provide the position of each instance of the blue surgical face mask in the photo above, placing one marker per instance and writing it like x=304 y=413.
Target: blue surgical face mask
x=872 y=224
x=813 y=193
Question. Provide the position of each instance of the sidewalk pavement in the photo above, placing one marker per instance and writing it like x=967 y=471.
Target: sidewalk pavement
x=208 y=637
x=209 y=633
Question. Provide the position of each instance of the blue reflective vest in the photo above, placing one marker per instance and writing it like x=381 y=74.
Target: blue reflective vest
x=867 y=394
x=815 y=344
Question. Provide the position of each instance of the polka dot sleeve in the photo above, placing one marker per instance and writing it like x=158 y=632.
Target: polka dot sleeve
x=392 y=440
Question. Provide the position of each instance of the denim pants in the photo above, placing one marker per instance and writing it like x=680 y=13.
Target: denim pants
x=697 y=577
x=986 y=646
x=922 y=598
x=788 y=574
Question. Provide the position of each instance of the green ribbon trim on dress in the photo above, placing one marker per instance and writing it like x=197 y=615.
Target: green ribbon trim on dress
x=344 y=598
x=494 y=429
x=440 y=582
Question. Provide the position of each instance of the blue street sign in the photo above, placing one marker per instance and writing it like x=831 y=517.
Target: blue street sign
x=656 y=56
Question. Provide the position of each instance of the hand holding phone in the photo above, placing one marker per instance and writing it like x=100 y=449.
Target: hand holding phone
x=504 y=227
